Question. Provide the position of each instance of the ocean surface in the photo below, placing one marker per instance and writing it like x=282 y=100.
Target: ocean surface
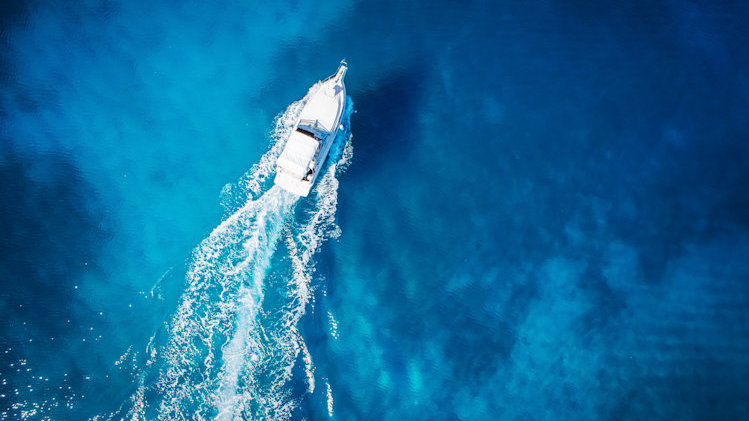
x=537 y=210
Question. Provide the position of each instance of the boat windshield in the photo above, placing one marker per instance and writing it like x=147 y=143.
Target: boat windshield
x=306 y=132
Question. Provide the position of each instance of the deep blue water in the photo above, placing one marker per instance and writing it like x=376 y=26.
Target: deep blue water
x=541 y=212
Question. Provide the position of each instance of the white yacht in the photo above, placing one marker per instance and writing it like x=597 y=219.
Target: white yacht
x=319 y=121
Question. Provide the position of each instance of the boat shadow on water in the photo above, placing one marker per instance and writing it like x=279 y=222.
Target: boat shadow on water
x=383 y=126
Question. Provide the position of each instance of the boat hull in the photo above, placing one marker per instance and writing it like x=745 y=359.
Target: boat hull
x=314 y=132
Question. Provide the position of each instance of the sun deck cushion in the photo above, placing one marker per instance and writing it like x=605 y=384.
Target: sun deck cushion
x=297 y=154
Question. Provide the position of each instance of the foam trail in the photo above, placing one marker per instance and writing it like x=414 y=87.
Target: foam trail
x=269 y=351
x=233 y=341
x=224 y=289
x=329 y=396
x=250 y=297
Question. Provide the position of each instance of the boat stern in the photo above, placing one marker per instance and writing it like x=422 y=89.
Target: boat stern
x=292 y=183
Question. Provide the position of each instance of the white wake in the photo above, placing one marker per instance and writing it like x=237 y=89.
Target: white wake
x=233 y=342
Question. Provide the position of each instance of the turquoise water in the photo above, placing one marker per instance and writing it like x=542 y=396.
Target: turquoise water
x=538 y=210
